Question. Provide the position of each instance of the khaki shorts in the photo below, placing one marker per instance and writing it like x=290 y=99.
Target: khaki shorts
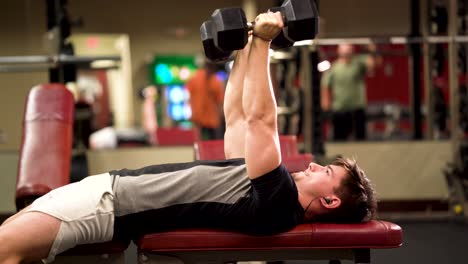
x=86 y=209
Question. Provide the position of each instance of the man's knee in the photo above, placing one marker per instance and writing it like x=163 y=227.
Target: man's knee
x=27 y=237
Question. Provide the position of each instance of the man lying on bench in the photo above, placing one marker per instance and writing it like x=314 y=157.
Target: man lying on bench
x=251 y=192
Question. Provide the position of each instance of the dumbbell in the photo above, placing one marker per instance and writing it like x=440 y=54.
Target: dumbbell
x=229 y=27
x=298 y=15
x=281 y=41
x=232 y=26
x=211 y=51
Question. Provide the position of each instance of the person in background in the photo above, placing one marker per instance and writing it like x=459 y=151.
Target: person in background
x=150 y=122
x=206 y=100
x=111 y=137
x=344 y=91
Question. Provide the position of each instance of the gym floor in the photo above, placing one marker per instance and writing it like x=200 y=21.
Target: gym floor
x=428 y=242
x=424 y=242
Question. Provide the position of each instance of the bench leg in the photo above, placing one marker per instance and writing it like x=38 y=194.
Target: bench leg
x=362 y=256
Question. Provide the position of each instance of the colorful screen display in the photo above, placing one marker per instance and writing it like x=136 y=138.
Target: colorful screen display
x=171 y=73
x=178 y=106
x=167 y=70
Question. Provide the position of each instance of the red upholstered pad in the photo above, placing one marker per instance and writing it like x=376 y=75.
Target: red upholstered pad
x=374 y=234
x=214 y=149
x=298 y=162
x=288 y=144
x=49 y=102
x=46 y=143
x=209 y=150
x=175 y=136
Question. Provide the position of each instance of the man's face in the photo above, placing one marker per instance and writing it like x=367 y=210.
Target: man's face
x=319 y=181
x=345 y=51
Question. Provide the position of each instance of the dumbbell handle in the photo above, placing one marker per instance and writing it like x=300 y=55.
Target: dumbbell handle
x=250 y=25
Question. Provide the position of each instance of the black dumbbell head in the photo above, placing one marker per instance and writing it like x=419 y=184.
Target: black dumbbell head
x=281 y=41
x=211 y=51
x=301 y=19
x=230 y=31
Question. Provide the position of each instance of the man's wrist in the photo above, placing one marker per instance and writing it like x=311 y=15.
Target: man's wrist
x=260 y=42
x=257 y=37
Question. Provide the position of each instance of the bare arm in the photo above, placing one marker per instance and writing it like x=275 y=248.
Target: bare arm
x=373 y=60
x=262 y=151
x=325 y=91
x=326 y=98
x=234 y=114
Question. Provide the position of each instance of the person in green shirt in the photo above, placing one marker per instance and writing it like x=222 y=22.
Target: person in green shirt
x=344 y=92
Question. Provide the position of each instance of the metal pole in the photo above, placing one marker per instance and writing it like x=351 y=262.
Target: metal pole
x=42 y=63
x=16 y=69
x=382 y=40
x=429 y=92
x=317 y=124
x=50 y=60
x=53 y=21
x=307 y=100
x=453 y=81
x=415 y=69
x=312 y=115
x=25 y=59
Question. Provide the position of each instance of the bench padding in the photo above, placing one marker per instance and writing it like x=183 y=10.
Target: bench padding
x=373 y=234
x=46 y=146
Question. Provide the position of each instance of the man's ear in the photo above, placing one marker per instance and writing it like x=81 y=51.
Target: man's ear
x=330 y=202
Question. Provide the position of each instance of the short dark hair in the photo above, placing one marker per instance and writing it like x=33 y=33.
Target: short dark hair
x=358 y=200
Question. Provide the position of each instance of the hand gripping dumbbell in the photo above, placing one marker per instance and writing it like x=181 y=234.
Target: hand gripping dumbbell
x=228 y=30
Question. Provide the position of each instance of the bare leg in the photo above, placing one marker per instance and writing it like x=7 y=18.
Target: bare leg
x=11 y=218
x=27 y=237
x=234 y=137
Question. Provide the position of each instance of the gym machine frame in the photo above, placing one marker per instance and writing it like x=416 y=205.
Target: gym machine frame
x=61 y=60
x=43 y=62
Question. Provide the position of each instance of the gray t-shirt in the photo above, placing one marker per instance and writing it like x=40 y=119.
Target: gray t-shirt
x=204 y=194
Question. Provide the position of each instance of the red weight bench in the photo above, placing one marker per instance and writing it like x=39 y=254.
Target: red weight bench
x=311 y=241
x=214 y=149
x=209 y=150
x=314 y=241
x=292 y=159
x=298 y=162
x=45 y=160
x=288 y=144
x=175 y=136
